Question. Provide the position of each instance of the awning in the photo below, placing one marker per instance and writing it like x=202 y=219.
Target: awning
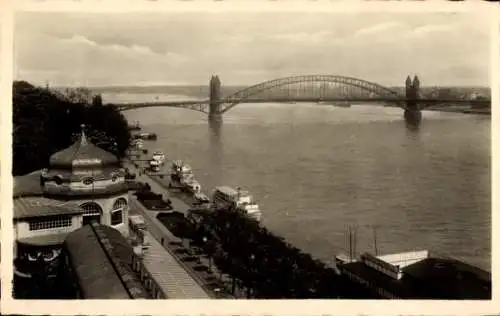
x=45 y=240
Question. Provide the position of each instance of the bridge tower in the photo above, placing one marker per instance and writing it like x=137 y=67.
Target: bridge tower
x=214 y=111
x=412 y=113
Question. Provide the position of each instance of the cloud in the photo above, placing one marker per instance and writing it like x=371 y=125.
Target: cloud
x=78 y=39
x=237 y=38
x=77 y=58
x=132 y=51
x=384 y=27
x=248 y=48
x=302 y=37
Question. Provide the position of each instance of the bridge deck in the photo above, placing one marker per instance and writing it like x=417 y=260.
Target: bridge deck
x=201 y=105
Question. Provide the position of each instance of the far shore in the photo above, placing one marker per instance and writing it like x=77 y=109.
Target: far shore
x=463 y=111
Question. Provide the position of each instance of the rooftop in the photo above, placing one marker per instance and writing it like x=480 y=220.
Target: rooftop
x=45 y=240
x=82 y=154
x=173 y=278
x=422 y=277
x=102 y=260
x=28 y=185
x=450 y=278
x=37 y=206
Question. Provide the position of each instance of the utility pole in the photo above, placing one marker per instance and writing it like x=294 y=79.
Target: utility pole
x=355 y=238
x=352 y=239
x=350 y=243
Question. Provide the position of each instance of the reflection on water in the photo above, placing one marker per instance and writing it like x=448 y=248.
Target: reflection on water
x=315 y=169
x=215 y=147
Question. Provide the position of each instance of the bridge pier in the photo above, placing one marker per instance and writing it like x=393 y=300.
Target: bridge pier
x=413 y=118
x=412 y=113
x=214 y=109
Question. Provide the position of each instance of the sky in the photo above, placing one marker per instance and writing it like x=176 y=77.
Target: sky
x=187 y=48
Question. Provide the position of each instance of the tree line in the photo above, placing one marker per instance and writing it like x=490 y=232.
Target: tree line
x=46 y=121
x=263 y=263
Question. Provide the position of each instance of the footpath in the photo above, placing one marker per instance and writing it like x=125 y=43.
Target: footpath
x=215 y=283
x=169 y=272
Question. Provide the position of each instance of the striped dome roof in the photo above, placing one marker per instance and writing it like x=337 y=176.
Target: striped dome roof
x=82 y=154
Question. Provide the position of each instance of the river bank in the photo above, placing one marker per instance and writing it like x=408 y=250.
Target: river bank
x=191 y=258
x=309 y=267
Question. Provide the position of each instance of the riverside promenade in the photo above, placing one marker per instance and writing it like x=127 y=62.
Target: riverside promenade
x=215 y=287
x=168 y=271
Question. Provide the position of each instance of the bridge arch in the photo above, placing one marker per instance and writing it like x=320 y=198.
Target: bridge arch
x=228 y=102
x=231 y=101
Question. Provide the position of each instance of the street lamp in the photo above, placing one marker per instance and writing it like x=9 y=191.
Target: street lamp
x=208 y=251
x=252 y=258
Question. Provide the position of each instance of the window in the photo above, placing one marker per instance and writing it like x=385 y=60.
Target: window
x=92 y=213
x=58 y=180
x=116 y=217
x=119 y=207
x=51 y=222
x=88 y=181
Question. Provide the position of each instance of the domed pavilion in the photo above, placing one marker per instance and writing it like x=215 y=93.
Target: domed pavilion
x=82 y=184
x=92 y=178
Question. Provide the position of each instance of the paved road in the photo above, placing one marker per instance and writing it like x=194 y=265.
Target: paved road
x=174 y=244
x=171 y=275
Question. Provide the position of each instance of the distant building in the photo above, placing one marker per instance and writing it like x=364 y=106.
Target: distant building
x=417 y=275
x=82 y=184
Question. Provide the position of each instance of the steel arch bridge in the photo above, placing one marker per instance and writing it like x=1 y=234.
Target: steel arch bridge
x=305 y=88
x=311 y=88
x=382 y=93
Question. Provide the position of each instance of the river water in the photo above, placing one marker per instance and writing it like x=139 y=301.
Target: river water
x=316 y=169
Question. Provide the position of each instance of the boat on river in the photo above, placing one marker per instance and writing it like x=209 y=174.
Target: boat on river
x=146 y=136
x=192 y=186
x=135 y=126
x=239 y=200
x=180 y=174
x=341 y=104
x=201 y=199
x=154 y=165
x=159 y=156
x=138 y=143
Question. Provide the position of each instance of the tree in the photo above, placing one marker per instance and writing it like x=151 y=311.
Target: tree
x=45 y=121
x=77 y=95
x=265 y=264
x=97 y=100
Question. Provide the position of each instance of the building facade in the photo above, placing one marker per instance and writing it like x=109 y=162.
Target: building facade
x=82 y=184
